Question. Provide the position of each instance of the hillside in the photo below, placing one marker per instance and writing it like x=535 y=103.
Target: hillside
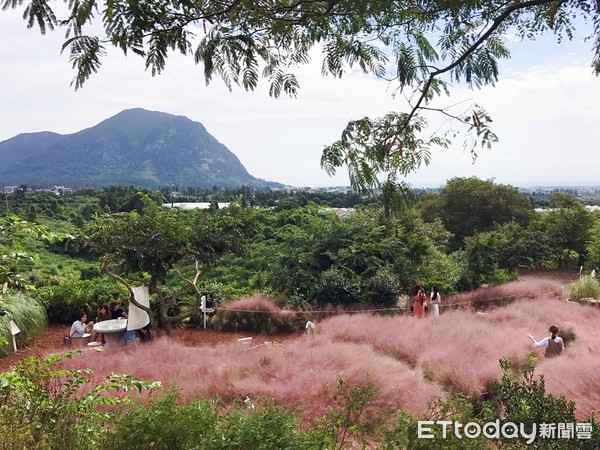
x=135 y=147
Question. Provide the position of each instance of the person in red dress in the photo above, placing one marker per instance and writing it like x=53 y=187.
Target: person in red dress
x=419 y=300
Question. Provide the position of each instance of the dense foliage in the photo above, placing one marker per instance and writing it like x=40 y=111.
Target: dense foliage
x=296 y=249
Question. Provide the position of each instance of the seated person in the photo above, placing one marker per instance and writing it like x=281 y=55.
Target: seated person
x=145 y=333
x=103 y=314
x=130 y=335
x=79 y=327
x=116 y=311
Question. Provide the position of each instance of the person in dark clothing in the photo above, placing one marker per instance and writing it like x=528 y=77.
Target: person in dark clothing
x=116 y=311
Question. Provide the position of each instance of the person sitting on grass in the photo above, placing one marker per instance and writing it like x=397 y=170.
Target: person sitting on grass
x=145 y=333
x=80 y=327
x=554 y=345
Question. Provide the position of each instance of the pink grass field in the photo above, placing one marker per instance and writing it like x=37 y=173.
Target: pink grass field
x=407 y=360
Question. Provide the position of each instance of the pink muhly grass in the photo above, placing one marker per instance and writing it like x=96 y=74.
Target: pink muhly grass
x=407 y=360
x=459 y=349
x=301 y=375
x=486 y=297
x=256 y=303
x=256 y=314
x=296 y=376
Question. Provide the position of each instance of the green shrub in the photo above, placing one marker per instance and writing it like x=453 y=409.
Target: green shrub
x=338 y=286
x=525 y=401
x=71 y=294
x=28 y=314
x=517 y=398
x=344 y=422
x=44 y=408
x=164 y=424
x=403 y=430
x=586 y=287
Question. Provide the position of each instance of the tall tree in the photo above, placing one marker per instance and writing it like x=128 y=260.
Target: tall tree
x=467 y=206
x=160 y=244
x=568 y=225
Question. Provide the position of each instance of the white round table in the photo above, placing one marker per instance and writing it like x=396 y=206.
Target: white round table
x=113 y=331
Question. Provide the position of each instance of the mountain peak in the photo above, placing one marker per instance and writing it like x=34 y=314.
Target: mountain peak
x=134 y=147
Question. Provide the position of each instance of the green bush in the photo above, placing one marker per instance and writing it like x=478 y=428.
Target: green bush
x=71 y=294
x=28 y=314
x=383 y=288
x=338 y=286
x=403 y=430
x=586 y=287
x=525 y=401
x=164 y=424
x=43 y=408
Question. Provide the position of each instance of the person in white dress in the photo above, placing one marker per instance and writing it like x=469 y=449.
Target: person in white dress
x=434 y=300
x=79 y=328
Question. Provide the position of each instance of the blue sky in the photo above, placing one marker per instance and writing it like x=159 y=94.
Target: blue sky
x=545 y=110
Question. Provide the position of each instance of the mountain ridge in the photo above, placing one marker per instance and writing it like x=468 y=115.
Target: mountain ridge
x=138 y=147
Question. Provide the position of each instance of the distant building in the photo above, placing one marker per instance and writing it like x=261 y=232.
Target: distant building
x=342 y=213
x=62 y=190
x=188 y=206
x=10 y=189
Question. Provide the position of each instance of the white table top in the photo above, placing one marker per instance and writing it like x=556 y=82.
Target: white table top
x=111 y=326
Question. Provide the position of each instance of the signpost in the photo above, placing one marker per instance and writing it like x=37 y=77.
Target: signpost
x=14 y=330
x=205 y=310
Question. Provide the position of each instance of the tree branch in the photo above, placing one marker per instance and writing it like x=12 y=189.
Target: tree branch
x=469 y=51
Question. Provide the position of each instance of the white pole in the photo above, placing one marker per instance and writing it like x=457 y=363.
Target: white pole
x=203 y=298
x=310 y=330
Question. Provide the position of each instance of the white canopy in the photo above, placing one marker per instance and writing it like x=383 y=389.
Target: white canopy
x=138 y=318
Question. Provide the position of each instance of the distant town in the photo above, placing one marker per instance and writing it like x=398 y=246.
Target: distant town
x=540 y=195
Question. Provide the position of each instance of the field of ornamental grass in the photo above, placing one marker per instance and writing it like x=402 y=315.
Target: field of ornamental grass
x=409 y=361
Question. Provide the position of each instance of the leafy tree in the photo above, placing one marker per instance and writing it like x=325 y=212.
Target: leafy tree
x=158 y=244
x=523 y=247
x=482 y=254
x=567 y=225
x=593 y=245
x=467 y=206
x=362 y=257
x=422 y=47
x=14 y=259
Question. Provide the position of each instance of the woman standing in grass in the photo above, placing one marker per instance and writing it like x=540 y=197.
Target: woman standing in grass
x=419 y=301
x=554 y=345
x=434 y=300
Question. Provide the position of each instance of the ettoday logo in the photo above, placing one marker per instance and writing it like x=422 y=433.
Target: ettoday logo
x=428 y=429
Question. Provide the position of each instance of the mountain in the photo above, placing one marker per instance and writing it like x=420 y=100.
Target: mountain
x=135 y=147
